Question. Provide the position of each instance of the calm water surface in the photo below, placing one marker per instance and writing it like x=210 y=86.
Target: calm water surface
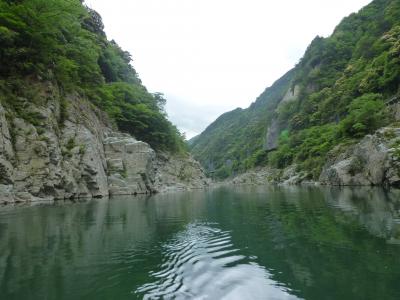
x=227 y=243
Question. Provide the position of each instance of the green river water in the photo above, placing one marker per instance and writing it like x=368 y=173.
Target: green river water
x=224 y=243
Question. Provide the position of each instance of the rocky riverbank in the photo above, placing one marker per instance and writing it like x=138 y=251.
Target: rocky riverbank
x=373 y=161
x=58 y=151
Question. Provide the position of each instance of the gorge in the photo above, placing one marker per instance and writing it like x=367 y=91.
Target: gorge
x=102 y=197
x=332 y=119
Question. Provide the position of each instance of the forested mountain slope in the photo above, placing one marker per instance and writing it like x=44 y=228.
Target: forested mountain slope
x=334 y=96
x=231 y=143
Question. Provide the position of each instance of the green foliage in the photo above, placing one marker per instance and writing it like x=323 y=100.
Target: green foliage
x=63 y=42
x=70 y=144
x=82 y=149
x=63 y=112
x=282 y=157
x=258 y=158
x=366 y=114
x=114 y=64
x=139 y=113
x=45 y=35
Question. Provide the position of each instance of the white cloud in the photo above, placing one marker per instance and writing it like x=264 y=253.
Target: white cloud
x=210 y=56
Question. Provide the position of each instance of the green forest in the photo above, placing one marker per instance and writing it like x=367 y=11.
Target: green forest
x=63 y=42
x=344 y=81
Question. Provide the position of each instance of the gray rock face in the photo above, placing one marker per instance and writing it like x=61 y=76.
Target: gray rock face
x=291 y=95
x=52 y=160
x=81 y=156
x=130 y=164
x=178 y=173
x=396 y=109
x=6 y=151
x=375 y=160
x=272 y=139
x=269 y=175
x=254 y=177
x=275 y=129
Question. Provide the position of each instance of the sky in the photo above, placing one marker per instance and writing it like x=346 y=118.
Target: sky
x=211 y=56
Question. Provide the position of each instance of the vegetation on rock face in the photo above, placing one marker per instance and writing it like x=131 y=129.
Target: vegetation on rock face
x=63 y=42
x=343 y=82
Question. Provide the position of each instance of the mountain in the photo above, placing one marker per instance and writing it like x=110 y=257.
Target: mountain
x=75 y=119
x=334 y=97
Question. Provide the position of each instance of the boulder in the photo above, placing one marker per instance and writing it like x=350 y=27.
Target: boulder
x=372 y=161
x=130 y=164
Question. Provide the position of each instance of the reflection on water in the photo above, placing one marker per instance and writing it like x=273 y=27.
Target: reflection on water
x=376 y=209
x=201 y=262
x=240 y=243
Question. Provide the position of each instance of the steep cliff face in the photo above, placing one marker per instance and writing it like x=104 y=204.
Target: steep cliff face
x=63 y=152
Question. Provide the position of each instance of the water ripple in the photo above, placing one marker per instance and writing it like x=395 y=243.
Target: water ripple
x=202 y=263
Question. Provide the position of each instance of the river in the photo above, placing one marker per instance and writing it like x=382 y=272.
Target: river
x=223 y=243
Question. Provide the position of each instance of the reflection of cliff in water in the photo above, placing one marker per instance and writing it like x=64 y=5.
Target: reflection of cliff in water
x=314 y=246
x=376 y=209
x=70 y=247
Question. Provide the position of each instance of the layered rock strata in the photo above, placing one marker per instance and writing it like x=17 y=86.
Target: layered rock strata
x=55 y=152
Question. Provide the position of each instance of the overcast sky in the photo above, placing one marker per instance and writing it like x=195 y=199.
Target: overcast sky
x=212 y=56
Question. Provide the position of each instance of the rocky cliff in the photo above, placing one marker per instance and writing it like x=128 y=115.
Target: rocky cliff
x=67 y=148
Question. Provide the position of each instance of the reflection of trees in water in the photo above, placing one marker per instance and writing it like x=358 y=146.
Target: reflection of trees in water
x=326 y=243
x=376 y=209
